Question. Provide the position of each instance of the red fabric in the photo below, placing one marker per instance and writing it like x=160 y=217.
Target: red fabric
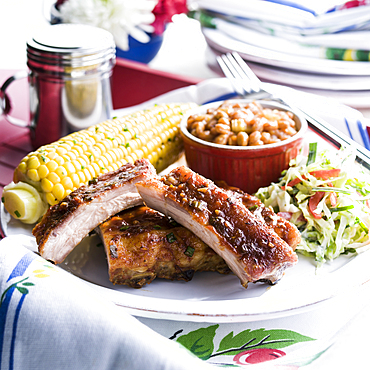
x=59 y=3
x=353 y=4
x=164 y=11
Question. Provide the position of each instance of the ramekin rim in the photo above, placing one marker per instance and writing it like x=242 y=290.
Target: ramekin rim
x=297 y=136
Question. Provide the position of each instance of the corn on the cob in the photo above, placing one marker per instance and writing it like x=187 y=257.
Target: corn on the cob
x=56 y=169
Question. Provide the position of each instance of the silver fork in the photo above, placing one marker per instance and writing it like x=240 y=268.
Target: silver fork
x=243 y=79
x=247 y=84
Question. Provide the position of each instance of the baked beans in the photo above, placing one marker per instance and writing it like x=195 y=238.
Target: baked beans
x=242 y=124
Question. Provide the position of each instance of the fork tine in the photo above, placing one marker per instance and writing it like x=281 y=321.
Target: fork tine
x=229 y=75
x=255 y=82
x=238 y=73
x=242 y=78
x=224 y=67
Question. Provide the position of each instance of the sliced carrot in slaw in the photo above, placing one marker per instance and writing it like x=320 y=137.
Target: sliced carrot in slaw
x=326 y=174
x=319 y=174
x=313 y=202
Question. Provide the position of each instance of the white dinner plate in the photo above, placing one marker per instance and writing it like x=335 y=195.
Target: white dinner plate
x=353 y=91
x=312 y=80
x=212 y=297
x=224 y=43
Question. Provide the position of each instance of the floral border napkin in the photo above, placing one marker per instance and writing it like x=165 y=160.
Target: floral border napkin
x=49 y=319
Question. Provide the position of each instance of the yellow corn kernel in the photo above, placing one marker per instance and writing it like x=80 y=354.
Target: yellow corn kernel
x=46 y=185
x=121 y=162
x=71 y=155
x=123 y=151
x=103 y=162
x=61 y=172
x=108 y=157
x=100 y=147
x=66 y=145
x=88 y=141
x=108 y=143
x=83 y=146
x=83 y=163
x=85 y=158
x=134 y=144
x=22 y=167
x=150 y=146
x=75 y=152
x=58 y=191
x=53 y=177
x=115 y=143
x=157 y=142
x=150 y=123
x=140 y=153
x=82 y=177
x=96 y=152
x=113 y=154
x=33 y=162
x=52 y=165
x=164 y=136
x=87 y=174
x=69 y=167
x=59 y=160
x=51 y=155
x=91 y=170
x=75 y=179
x=153 y=157
x=77 y=149
x=90 y=156
x=76 y=165
x=43 y=171
x=33 y=175
x=61 y=151
x=98 y=136
x=67 y=183
x=96 y=169
x=50 y=198
x=126 y=134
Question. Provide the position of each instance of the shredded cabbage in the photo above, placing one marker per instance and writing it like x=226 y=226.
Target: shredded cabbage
x=339 y=222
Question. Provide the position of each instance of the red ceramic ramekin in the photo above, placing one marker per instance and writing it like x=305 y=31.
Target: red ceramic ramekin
x=246 y=167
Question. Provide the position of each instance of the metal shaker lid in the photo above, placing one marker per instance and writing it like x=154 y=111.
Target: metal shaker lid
x=71 y=45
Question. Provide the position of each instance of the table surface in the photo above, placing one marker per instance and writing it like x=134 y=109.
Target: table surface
x=184 y=52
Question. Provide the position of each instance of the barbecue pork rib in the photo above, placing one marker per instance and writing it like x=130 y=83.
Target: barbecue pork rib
x=65 y=224
x=142 y=244
x=285 y=229
x=252 y=250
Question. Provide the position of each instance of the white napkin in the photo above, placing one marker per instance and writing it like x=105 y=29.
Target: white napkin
x=49 y=319
x=311 y=30
x=309 y=18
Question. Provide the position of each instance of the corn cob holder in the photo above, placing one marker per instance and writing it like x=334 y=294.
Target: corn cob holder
x=44 y=177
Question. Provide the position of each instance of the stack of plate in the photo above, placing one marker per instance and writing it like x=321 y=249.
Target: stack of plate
x=324 y=50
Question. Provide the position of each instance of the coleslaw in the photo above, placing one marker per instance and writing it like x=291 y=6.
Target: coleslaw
x=327 y=196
